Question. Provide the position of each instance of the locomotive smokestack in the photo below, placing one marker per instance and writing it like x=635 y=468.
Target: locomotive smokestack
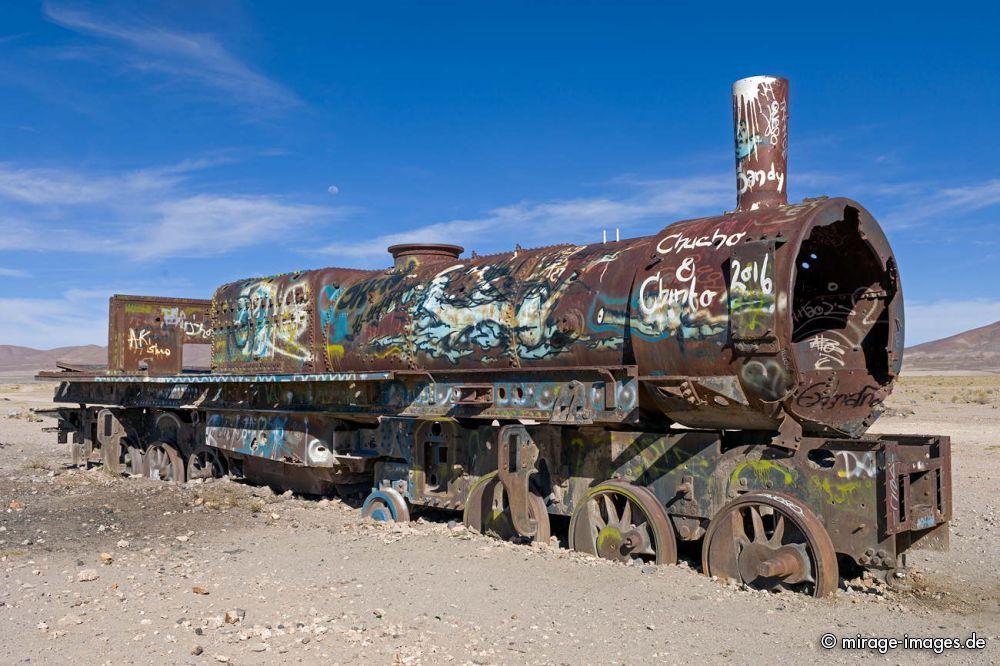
x=760 y=124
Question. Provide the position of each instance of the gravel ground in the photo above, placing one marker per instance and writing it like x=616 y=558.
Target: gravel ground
x=101 y=570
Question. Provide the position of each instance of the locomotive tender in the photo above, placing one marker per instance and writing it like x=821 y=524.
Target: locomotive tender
x=711 y=382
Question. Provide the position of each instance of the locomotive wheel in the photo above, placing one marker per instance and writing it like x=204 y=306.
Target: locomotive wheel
x=163 y=463
x=486 y=511
x=387 y=506
x=619 y=521
x=771 y=542
x=205 y=463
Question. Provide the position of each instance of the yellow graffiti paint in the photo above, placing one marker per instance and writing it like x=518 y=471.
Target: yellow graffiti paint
x=577 y=453
x=644 y=460
x=391 y=351
x=835 y=493
x=335 y=353
x=764 y=470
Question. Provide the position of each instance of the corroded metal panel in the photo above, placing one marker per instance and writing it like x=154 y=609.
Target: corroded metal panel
x=760 y=296
x=519 y=309
x=148 y=333
x=265 y=325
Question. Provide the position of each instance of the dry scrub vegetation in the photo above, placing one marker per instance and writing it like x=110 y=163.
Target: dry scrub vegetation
x=960 y=390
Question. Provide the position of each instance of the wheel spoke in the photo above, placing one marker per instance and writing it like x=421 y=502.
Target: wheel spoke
x=609 y=506
x=739 y=533
x=648 y=546
x=596 y=519
x=779 y=531
x=758 y=525
x=626 y=520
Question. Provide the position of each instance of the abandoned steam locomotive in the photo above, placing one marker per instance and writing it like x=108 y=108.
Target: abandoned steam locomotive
x=712 y=382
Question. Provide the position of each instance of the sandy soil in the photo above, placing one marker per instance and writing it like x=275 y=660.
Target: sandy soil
x=100 y=570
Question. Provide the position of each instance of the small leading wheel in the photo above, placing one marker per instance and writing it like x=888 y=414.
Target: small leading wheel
x=386 y=505
x=771 y=542
x=162 y=462
x=486 y=512
x=205 y=463
x=620 y=521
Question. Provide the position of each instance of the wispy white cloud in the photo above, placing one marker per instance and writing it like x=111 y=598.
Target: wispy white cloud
x=908 y=203
x=13 y=273
x=142 y=215
x=182 y=56
x=49 y=186
x=212 y=224
x=921 y=203
x=74 y=316
x=645 y=206
x=926 y=321
x=44 y=323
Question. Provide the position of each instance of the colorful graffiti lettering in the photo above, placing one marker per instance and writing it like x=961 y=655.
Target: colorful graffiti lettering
x=271 y=319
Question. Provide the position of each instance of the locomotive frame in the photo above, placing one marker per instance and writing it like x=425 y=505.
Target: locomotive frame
x=710 y=383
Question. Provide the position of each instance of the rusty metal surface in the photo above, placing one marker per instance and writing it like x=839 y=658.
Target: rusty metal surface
x=148 y=334
x=620 y=521
x=735 y=321
x=771 y=541
x=517 y=454
x=760 y=123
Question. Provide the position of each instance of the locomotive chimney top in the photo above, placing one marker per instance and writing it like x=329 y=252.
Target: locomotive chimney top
x=417 y=254
x=760 y=126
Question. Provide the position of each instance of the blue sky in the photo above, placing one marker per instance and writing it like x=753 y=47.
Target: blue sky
x=166 y=148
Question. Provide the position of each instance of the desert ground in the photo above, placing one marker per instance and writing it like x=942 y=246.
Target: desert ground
x=102 y=570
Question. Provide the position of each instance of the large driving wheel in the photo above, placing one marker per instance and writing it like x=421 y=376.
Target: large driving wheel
x=162 y=462
x=620 y=521
x=205 y=463
x=771 y=542
x=486 y=512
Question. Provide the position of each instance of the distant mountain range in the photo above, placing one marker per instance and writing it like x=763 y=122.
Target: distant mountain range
x=975 y=350
x=978 y=349
x=26 y=358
